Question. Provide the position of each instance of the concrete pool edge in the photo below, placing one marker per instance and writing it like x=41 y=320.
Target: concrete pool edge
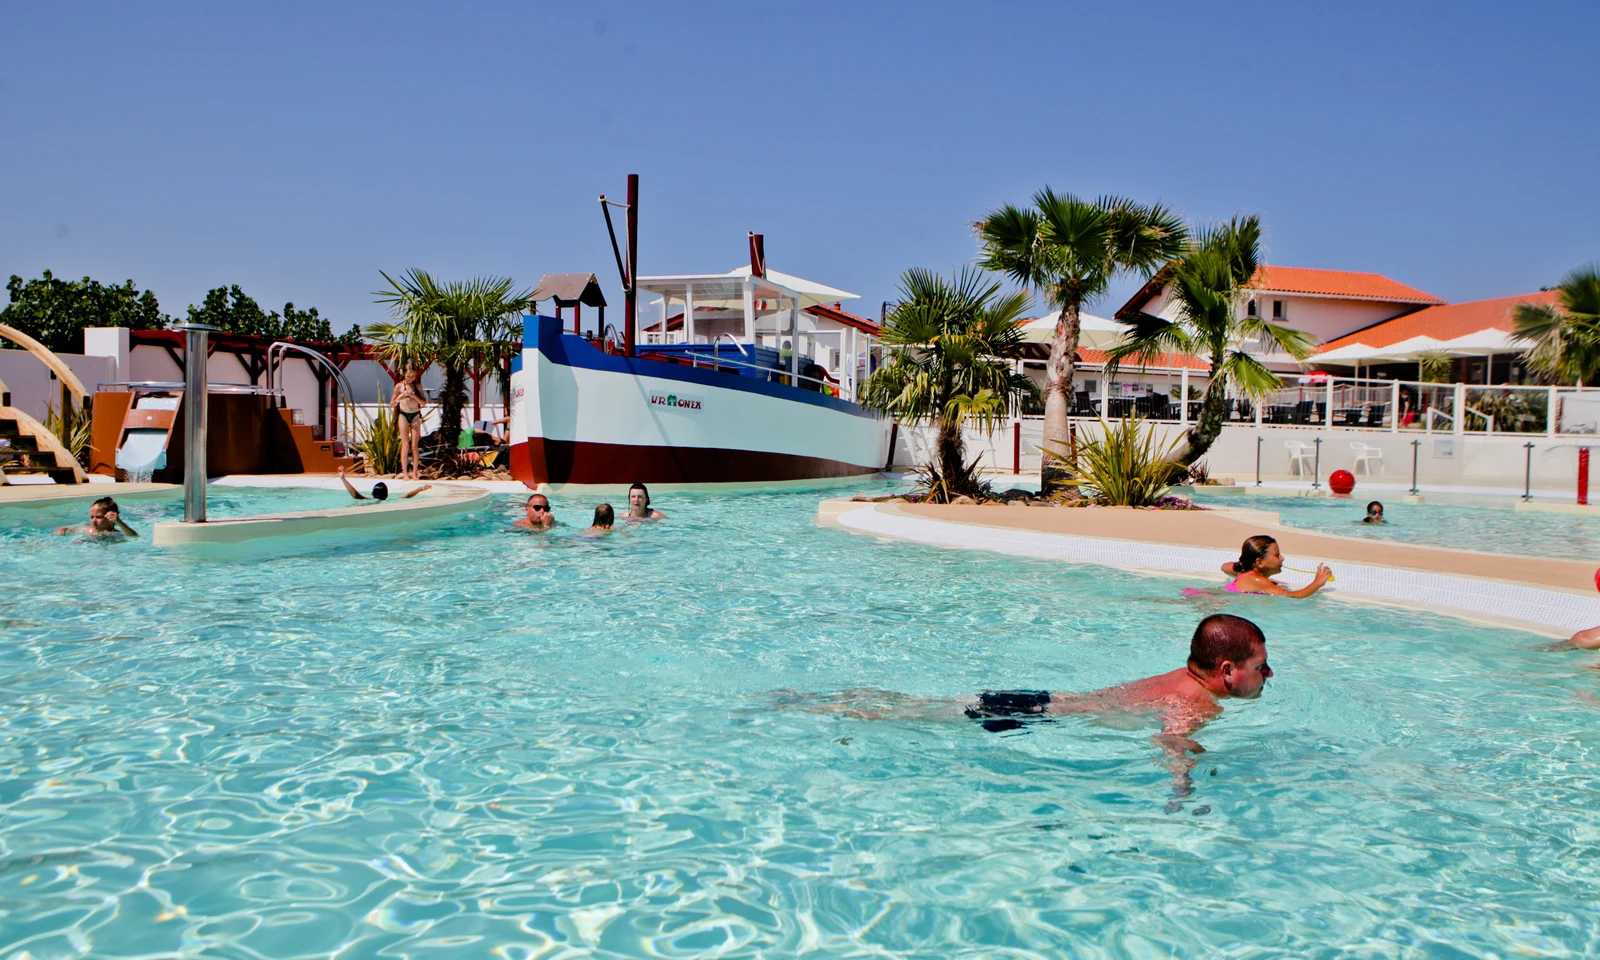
x=436 y=504
x=52 y=494
x=1499 y=601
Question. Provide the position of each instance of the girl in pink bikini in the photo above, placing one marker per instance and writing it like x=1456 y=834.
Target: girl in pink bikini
x=1259 y=561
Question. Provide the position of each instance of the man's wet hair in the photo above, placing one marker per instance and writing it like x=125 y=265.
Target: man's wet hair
x=380 y=491
x=106 y=503
x=539 y=495
x=604 y=516
x=1223 y=636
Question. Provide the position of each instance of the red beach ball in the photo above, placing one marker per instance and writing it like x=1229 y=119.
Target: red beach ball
x=1597 y=579
x=1342 y=482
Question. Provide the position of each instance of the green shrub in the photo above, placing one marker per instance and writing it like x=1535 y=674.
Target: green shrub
x=381 y=444
x=1125 y=466
x=72 y=425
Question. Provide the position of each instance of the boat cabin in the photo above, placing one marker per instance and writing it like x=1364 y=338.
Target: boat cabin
x=759 y=322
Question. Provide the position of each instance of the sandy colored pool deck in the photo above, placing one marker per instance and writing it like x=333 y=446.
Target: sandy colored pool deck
x=1547 y=595
x=40 y=494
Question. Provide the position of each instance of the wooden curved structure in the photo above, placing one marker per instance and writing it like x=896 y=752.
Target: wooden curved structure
x=29 y=436
x=61 y=370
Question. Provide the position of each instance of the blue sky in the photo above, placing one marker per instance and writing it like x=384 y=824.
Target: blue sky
x=296 y=149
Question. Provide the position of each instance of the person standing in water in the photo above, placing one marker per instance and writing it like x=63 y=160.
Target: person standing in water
x=639 y=504
x=105 y=517
x=537 y=514
x=1259 y=561
x=1374 y=513
x=407 y=402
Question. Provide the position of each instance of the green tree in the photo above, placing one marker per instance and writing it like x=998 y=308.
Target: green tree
x=54 y=312
x=444 y=323
x=1070 y=249
x=1208 y=288
x=1564 y=337
x=951 y=347
x=231 y=309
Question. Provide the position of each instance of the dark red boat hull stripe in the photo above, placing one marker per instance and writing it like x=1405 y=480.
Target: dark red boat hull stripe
x=569 y=461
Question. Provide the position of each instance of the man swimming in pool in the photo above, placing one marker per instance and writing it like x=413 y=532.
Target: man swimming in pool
x=105 y=517
x=1227 y=660
x=537 y=515
x=380 y=490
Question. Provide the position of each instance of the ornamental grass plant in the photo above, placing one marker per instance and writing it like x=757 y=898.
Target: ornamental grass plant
x=1125 y=466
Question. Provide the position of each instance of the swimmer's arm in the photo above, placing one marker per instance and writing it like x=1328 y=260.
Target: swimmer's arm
x=116 y=518
x=346 y=481
x=425 y=486
x=1230 y=568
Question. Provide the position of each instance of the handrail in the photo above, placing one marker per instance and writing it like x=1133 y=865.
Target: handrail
x=247 y=388
x=694 y=361
x=1487 y=419
x=281 y=348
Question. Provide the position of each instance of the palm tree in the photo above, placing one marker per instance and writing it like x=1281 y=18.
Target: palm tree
x=447 y=324
x=1070 y=249
x=1208 y=287
x=1565 y=339
x=951 y=347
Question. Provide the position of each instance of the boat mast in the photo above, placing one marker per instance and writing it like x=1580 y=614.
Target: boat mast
x=631 y=269
x=630 y=305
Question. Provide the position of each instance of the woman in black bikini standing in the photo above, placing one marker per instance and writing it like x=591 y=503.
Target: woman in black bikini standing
x=407 y=402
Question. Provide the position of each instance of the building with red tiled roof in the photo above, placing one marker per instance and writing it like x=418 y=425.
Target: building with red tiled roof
x=1444 y=322
x=1342 y=284
x=1327 y=304
x=1163 y=362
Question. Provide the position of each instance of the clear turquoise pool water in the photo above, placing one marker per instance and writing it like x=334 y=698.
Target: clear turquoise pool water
x=1464 y=523
x=468 y=742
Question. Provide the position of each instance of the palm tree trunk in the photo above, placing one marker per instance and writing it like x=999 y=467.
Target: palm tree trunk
x=1058 y=400
x=952 y=466
x=1209 y=426
x=451 y=401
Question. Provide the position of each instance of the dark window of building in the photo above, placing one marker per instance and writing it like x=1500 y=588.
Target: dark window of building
x=1277 y=310
x=1250 y=308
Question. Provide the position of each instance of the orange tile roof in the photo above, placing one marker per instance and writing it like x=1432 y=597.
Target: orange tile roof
x=1337 y=283
x=1159 y=361
x=1445 y=322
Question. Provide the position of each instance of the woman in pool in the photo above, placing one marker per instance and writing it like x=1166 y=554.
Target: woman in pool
x=639 y=504
x=1374 y=513
x=406 y=401
x=1259 y=561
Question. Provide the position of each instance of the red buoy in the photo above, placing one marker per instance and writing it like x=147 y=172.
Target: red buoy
x=1342 y=482
x=1597 y=579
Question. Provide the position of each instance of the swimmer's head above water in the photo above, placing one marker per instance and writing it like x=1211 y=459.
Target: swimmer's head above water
x=1259 y=554
x=1374 y=512
x=1228 y=655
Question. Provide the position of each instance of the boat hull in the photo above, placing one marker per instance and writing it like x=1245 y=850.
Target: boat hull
x=581 y=416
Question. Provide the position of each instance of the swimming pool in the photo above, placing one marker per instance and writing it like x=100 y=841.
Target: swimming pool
x=467 y=742
x=1463 y=523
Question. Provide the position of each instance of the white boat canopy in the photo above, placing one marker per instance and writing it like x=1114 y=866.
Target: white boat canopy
x=728 y=289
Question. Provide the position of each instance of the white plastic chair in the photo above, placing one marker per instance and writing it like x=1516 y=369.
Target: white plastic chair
x=1365 y=455
x=1300 y=457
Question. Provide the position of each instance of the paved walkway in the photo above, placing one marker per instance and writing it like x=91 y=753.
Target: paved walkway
x=1548 y=595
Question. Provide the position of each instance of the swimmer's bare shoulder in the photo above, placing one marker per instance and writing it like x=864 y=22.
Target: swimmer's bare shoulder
x=1174 y=690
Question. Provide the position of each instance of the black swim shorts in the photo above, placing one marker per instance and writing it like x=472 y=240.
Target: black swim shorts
x=998 y=709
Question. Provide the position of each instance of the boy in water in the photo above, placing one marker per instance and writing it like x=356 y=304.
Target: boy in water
x=104 y=518
x=380 y=490
x=1227 y=660
x=537 y=514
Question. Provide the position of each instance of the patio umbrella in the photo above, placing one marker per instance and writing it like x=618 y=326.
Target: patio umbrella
x=1094 y=332
x=1484 y=343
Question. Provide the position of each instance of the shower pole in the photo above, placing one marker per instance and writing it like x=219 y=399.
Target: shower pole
x=195 y=400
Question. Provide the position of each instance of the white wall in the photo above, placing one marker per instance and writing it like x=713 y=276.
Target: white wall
x=34 y=388
x=1442 y=459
